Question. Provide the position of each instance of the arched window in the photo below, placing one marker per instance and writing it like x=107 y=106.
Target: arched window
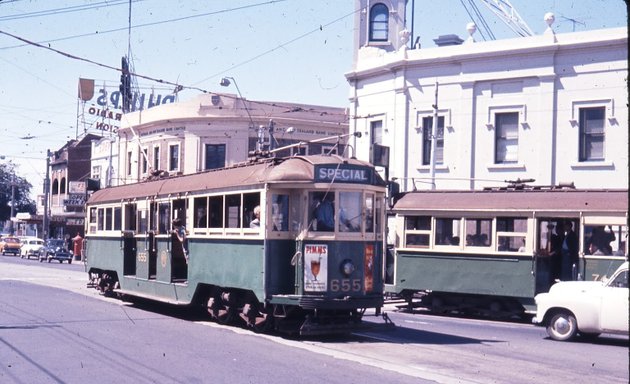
x=62 y=186
x=379 y=22
x=55 y=187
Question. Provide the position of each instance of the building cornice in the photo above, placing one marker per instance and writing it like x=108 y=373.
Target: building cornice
x=380 y=63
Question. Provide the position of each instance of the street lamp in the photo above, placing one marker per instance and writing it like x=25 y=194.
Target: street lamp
x=225 y=82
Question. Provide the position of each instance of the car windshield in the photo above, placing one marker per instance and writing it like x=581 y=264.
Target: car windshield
x=55 y=243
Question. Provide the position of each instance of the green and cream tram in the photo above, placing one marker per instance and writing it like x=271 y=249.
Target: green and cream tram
x=490 y=252
x=281 y=272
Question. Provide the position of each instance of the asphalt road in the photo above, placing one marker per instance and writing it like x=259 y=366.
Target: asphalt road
x=156 y=343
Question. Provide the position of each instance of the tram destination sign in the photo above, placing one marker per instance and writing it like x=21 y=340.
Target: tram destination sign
x=343 y=174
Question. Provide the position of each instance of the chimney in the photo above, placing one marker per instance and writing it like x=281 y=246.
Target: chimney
x=446 y=40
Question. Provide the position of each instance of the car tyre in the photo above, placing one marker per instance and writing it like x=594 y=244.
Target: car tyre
x=70 y=261
x=562 y=326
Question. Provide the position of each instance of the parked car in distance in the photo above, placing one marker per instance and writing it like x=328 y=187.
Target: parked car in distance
x=31 y=246
x=55 y=249
x=585 y=307
x=10 y=244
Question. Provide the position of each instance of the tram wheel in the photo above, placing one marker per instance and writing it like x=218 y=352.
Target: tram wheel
x=254 y=319
x=220 y=313
x=562 y=326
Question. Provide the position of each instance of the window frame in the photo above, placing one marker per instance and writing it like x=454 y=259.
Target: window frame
x=421 y=232
x=171 y=159
x=378 y=30
x=156 y=157
x=503 y=140
x=427 y=131
x=585 y=138
x=205 y=155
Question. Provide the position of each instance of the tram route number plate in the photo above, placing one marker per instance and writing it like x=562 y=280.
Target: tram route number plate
x=345 y=285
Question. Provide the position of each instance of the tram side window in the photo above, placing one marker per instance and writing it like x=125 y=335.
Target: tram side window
x=369 y=212
x=93 y=219
x=143 y=219
x=511 y=233
x=233 y=211
x=280 y=212
x=379 y=214
x=200 y=207
x=417 y=231
x=130 y=217
x=101 y=219
x=250 y=202
x=478 y=232
x=215 y=210
x=179 y=212
x=117 y=219
x=447 y=231
x=153 y=217
x=604 y=240
x=164 y=218
x=108 y=219
x=350 y=211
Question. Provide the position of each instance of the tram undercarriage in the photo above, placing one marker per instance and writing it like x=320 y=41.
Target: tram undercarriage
x=241 y=308
x=496 y=307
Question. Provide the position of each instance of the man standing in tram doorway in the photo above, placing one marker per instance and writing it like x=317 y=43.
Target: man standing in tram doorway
x=77 y=245
x=570 y=259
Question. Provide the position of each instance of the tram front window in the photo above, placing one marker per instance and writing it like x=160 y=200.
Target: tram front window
x=325 y=212
x=280 y=212
x=350 y=212
x=322 y=215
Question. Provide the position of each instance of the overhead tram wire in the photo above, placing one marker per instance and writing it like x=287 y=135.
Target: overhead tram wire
x=319 y=28
x=58 y=11
x=149 y=78
x=479 y=19
x=152 y=23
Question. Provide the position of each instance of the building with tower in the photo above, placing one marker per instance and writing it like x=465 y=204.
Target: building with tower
x=551 y=107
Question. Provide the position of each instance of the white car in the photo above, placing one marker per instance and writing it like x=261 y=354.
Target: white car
x=31 y=246
x=585 y=307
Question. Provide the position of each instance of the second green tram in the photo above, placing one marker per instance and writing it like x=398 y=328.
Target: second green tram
x=490 y=252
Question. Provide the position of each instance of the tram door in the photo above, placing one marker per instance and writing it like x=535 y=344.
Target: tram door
x=129 y=245
x=549 y=260
x=129 y=253
x=152 y=255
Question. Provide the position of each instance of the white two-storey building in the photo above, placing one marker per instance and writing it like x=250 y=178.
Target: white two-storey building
x=551 y=107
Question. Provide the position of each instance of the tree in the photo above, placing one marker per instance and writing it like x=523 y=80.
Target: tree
x=23 y=203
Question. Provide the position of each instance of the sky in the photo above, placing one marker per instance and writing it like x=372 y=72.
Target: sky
x=275 y=50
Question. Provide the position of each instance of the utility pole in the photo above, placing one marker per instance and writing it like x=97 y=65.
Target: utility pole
x=11 y=229
x=46 y=196
x=434 y=134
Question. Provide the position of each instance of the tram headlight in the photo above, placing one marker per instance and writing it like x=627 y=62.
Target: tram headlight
x=347 y=267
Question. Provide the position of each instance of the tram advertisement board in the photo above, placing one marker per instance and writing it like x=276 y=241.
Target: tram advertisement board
x=315 y=267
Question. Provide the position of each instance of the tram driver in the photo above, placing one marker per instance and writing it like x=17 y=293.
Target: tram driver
x=325 y=213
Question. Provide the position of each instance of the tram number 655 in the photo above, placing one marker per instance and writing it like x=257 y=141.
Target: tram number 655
x=345 y=285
